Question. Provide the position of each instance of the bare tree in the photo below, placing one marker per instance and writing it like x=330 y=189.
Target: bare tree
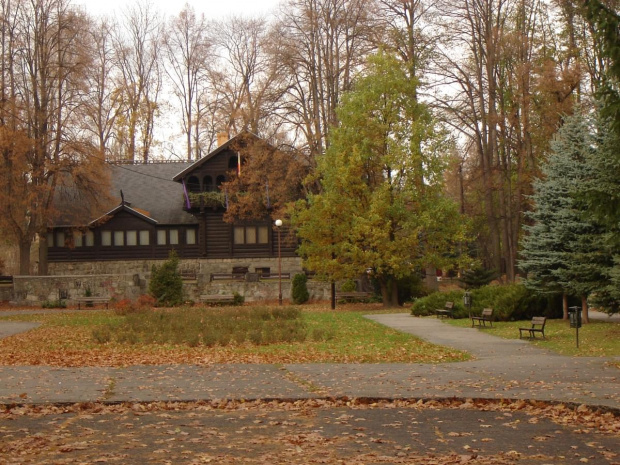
x=103 y=99
x=137 y=50
x=248 y=83
x=44 y=66
x=323 y=43
x=188 y=55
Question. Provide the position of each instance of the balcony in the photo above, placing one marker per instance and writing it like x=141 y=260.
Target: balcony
x=198 y=200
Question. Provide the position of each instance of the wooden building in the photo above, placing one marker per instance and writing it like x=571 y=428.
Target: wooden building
x=167 y=206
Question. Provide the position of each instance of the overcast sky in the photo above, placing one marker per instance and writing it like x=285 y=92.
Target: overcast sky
x=213 y=9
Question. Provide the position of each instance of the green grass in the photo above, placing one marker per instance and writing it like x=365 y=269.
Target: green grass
x=596 y=339
x=314 y=334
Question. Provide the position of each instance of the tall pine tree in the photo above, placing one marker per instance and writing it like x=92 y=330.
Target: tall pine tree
x=561 y=252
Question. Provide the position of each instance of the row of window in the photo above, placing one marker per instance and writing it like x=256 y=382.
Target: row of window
x=120 y=238
x=251 y=235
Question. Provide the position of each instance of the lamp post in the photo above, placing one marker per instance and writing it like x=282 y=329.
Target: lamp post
x=278 y=224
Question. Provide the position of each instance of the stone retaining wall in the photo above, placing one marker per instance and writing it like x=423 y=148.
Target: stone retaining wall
x=129 y=280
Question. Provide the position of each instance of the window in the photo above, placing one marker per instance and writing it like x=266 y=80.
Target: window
x=60 y=238
x=50 y=239
x=132 y=237
x=161 y=237
x=263 y=235
x=239 y=234
x=89 y=238
x=264 y=271
x=144 y=237
x=220 y=180
x=251 y=235
x=106 y=238
x=190 y=236
x=119 y=238
x=193 y=184
x=78 y=239
x=233 y=163
x=174 y=236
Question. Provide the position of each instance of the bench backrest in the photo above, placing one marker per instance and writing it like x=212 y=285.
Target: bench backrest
x=449 y=305
x=487 y=311
x=539 y=321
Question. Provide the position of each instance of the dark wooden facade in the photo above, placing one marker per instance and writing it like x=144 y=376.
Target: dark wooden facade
x=159 y=217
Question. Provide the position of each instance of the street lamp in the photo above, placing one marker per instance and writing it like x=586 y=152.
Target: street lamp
x=278 y=223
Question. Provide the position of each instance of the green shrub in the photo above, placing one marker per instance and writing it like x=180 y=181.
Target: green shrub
x=410 y=287
x=437 y=300
x=509 y=303
x=238 y=299
x=166 y=284
x=300 y=294
x=59 y=303
x=349 y=286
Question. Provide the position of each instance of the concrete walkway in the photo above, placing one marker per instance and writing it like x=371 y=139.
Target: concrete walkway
x=510 y=369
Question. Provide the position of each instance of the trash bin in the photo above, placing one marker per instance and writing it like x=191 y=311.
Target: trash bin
x=574 y=317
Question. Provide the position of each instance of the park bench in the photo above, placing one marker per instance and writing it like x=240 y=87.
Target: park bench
x=538 y=326
x=275 y=277
x=92 y=300
x=353 y=295
x=446 y=312
x=227 y=277
x=217 y=298
x=486 y=315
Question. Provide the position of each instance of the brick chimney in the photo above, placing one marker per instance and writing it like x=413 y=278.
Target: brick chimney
x=222 y=138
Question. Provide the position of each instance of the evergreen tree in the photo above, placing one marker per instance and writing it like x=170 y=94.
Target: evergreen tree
x=562 y=251
x=166 y=284
x=602 y=202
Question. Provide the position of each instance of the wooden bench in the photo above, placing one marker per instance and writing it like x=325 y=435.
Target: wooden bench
x=446 y=312
x=486 y=315
x=352 y=295
x=217 y=298
x=227 y=277
x=538 y=326
x=274 y=277
x=92 y=300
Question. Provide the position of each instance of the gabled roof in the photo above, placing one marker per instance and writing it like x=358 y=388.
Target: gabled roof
x=150 y=191
x=226 y=146
x=126 y=208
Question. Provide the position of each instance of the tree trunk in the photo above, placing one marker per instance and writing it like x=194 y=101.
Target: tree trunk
x=24 y=257
x=43 y=268
x=333 y=295
x=389 y=292
x=564 y=306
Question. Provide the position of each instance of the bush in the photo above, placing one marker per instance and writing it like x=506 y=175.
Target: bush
x=166 y=284
x=300 y=293
x=348 y=286
x=427 y=305
x=410 y=287
x=509 y=303
x=238 y=299
x=54 y=304
x=146 y=301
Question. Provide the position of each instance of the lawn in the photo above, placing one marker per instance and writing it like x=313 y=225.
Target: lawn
x=342 y=336
x=596 y=339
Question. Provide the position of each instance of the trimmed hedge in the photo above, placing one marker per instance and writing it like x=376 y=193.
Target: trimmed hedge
x=509 y=302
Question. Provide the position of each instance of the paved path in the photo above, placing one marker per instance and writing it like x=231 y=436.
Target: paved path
x=502 y=369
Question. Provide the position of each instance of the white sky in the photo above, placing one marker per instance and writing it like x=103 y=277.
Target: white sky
x=212 y=9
